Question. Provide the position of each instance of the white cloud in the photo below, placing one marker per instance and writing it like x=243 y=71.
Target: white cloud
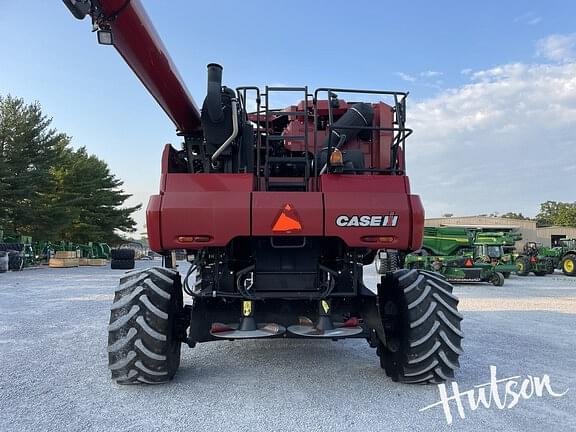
x=430 y=74
x=505 y=141
x=557 y=47
x=529 y=18
x=406 y=77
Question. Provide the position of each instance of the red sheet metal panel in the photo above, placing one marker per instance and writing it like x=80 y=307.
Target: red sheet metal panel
x=153 y=223
x=364 y=183
x=418 y=216
x=361 y=209
x=215 y=207
x=305 y=207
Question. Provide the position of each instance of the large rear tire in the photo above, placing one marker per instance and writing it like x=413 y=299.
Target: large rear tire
x=569 y=265
x=422 y=326
x=550 y=267
x=523 y=266
x=143 y=341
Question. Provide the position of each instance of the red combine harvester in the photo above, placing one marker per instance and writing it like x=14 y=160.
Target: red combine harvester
x=278 y=210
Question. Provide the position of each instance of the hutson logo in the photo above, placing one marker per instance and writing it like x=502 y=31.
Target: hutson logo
x=501 y=393
x=389 y=220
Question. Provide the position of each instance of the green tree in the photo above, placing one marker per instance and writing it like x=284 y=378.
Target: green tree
x=29 y=149
x=512 y=215
x=557 y=213
x=50 y=191
x=93 y=199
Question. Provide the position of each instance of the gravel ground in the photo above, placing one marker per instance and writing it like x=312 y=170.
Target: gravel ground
x=53 y=367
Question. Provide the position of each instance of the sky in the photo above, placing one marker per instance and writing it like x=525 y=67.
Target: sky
x=492 y=84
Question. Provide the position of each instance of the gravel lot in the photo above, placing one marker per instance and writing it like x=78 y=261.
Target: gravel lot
x=53 y=367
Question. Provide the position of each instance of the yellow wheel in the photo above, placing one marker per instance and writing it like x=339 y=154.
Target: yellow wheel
x=522 y=266
x=569 y=265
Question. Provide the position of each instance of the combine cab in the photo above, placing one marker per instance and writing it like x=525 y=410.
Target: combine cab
x=278 y=211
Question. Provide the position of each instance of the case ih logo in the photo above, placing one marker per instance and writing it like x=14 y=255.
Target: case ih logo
x=389 y=220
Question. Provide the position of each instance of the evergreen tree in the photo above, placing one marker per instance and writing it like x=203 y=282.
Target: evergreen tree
x=29 y=149
x=48 y=190
x=93 y=199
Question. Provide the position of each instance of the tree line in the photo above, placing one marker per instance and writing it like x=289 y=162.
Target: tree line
x=552 y=213
x=51 y=191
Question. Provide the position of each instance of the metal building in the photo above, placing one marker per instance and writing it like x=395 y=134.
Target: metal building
x=548 y=236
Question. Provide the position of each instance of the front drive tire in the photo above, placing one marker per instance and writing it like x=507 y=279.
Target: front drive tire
x=143 y=345
x=422 y=326
x=498 y=279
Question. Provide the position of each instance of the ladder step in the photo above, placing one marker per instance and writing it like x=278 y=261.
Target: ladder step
x=284 y=186
x=285 y=137
x=288 y=159
x=294 y=113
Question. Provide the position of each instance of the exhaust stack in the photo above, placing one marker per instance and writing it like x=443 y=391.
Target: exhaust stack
x=213 y=103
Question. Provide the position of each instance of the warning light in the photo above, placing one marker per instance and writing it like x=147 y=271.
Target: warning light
x=469 y=263
x=287 y=221
x=336 y=158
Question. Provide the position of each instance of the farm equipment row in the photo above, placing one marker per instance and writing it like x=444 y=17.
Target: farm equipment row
x=23 y=252
x=459 y=254
x=465 y=254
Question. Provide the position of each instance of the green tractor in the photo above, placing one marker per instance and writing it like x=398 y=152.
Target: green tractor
x=555 y=254
x=531 y=260
x=563 y=256
x=568 y=262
